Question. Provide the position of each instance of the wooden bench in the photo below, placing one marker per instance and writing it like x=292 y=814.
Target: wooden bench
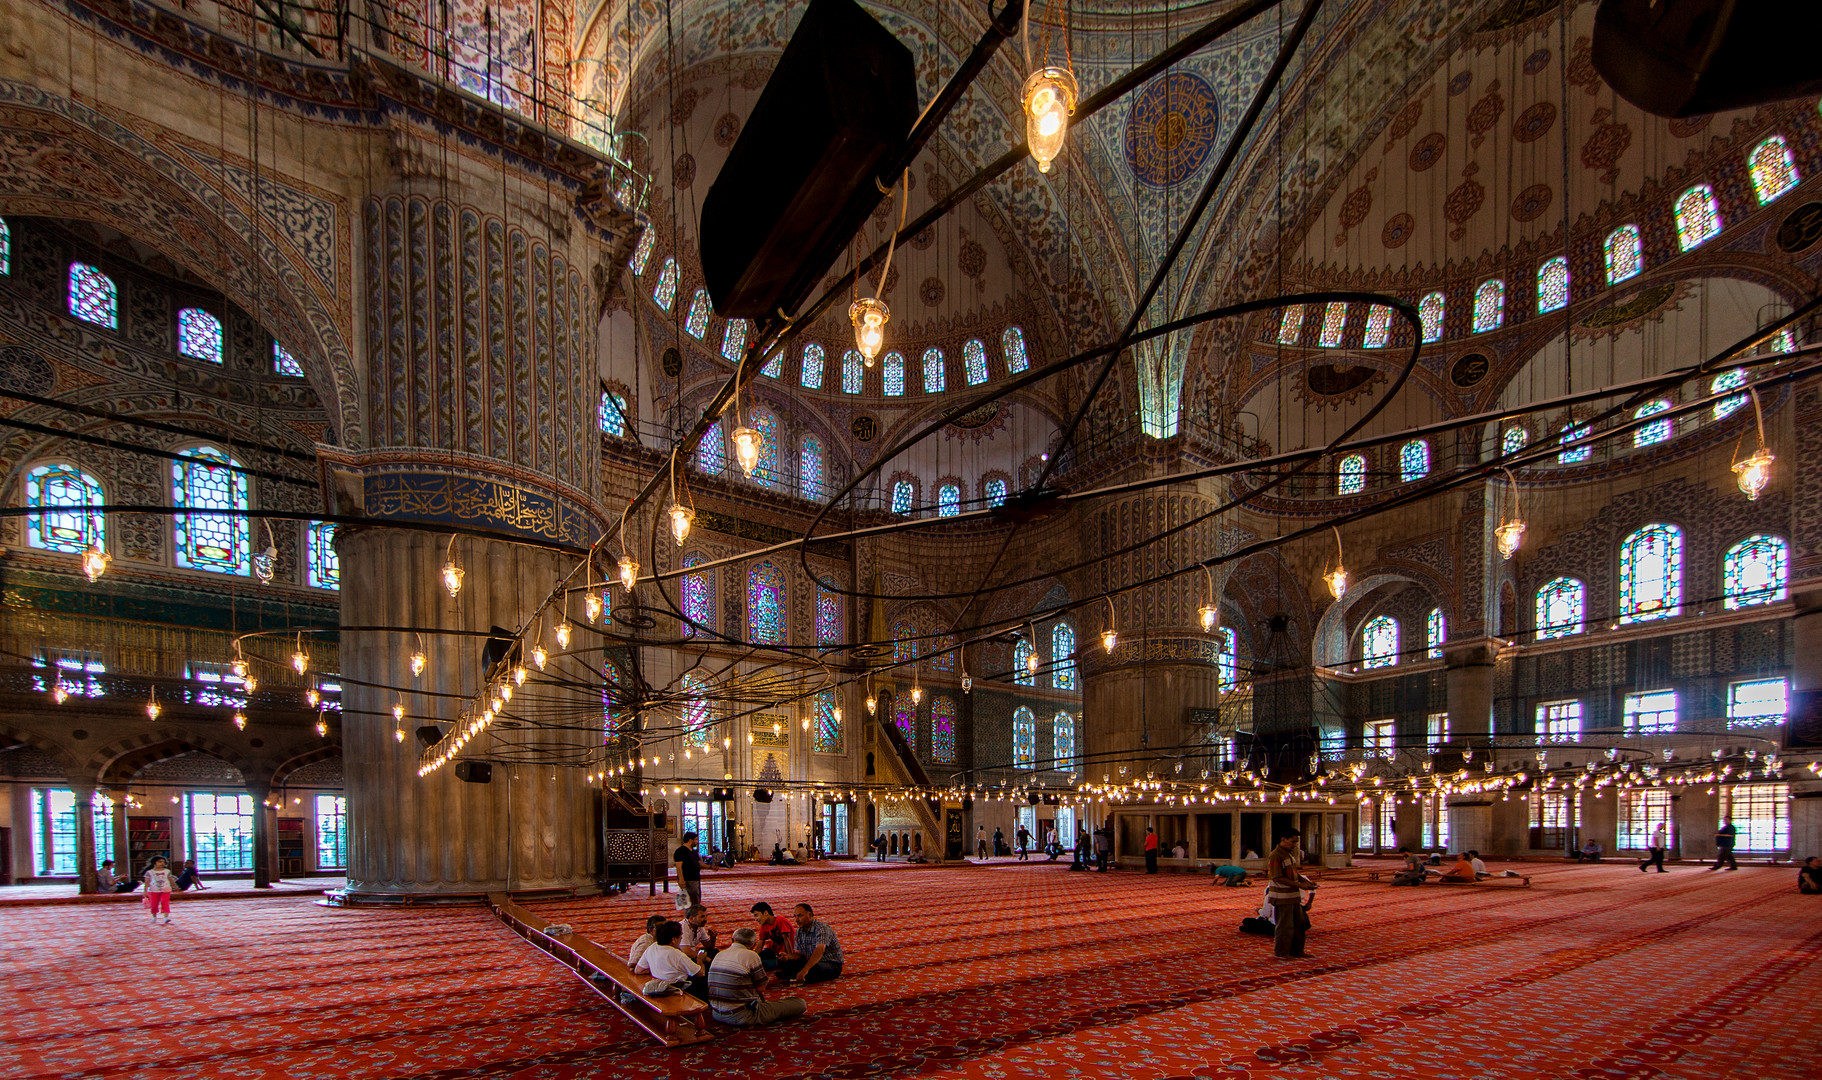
x=674 y=1020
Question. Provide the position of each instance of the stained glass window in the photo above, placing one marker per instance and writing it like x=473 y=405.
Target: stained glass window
x=93 y=297
x=698 y=716
x=853 y=372
x=6 y=247
x=1290 y=325
x=1552 y=284
x=1698 y=217
x=942 y=653
x=1226 y=665
x=712 y=451
x=1431 y=310
x=893 y=374
x=613 y=414
x=284 y=363
x=698 y=596
x=765 y=604
x=904 y=718
x=664 y=294
x=1560 y=721
x=948 y=500
x=63 y=491
x=1021 y=655
x=809 y=468
x=1785 y=341
x=828 y=725
x=936 y=371
x=1649 y=713
x=767 y=471
x=995 y=491
x=1489 y=305
x=1651 y=574
x=1062 y=656
x=1513 y=440
x=1436 y=632
x=1656 y=431
x=1728 y=380
x=903 y=496
x=1012 y=343
x=1350 y=478
x=1024 y=738
x=1378 y=327
x=1414 y=460
x=774 y=365
x=1757 y=702
x=1379 y=642
x=1062 y=736
x=905 y=640
x=1624 y=257
x=1334 y=324
x=734 y=343
x=811 y=377
x=199 y=335
x=1754 y=571
x=1559 y=608
x=1773 y=171
x=696 y=323
x=1572 y=455
x=974 y=361
x=942 y=730
x=828 y=614
x=323 y=567
x=216 y=542
x=643 y=253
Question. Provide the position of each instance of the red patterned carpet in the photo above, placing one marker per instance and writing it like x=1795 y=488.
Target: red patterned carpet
x=1597 y=972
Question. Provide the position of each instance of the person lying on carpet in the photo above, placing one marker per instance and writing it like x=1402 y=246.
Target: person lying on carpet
x=819 y=953
x=1463 y=870
x=643 y=941
x=666 y=963
x=737 y=984
x=1809 y=879
x=698 y=936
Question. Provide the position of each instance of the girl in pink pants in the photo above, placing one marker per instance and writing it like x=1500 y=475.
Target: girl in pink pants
x=158 y=889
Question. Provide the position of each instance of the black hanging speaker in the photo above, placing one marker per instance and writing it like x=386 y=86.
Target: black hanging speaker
x=801 y=177
x=1678 y=58
x=721 y=794
x=762 y=794
x=428 y=735
x=967 y=803
x=474 y=772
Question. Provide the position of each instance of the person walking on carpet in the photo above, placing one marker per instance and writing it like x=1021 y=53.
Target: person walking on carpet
x=1658 y=845
x=159 y=881
x=1285 y=892
x=980 y=842
x=1723 y=846
x=1023 y=836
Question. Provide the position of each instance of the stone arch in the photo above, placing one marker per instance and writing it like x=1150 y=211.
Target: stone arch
x=291 y=765
x=40 y=743
x=135 y=752
x=1332 y=635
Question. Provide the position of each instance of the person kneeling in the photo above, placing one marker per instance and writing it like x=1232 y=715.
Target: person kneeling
x=818 y=956
x=1809 y=879
x=737 y=985
x=667 y=965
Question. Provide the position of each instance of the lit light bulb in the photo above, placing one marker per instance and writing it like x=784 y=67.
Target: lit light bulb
x=398 y=711
x=495 y=702
x=629 y=572
x=505 y=690
x=681 y=519
x=872 y=704
x=1109 y=638
x=1209 y=615
x=322 y=727
x=1338 y=581
x=398 y=734
x=60 y=693
x=240 y=720
x=917 y=695
x=967 y=684
x=1754 y=472
x=313 y=696
x=869 y=317
x=300 y=661
x=239 y=668
x=592 y=605
x=837 y=714
x=152 y=709
x=417 y=664
x=538 y=656
x=452 y=578
x=252 y=683
x=95 y=561
x=518 y=675
x=1031 y=662
x=1049 y=97
x=1509 y=535
x=746 y=449
x=563 y=634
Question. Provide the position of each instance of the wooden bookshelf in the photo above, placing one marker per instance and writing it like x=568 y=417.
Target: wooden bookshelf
x=290 y=847
x=147 y=837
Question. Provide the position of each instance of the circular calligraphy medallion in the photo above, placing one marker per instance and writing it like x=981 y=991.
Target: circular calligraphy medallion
x=1469 y=370
x=865 y=428
x=673 y=362
x=1802 y=228
x=1172 y=128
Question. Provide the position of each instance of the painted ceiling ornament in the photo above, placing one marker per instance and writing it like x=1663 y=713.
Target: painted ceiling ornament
x=1532 y=203
x=1398 y=229
x=1606 y=146
x=1534 y=123
x=1537 y=61
x=1356 y=206
x=1402 y=124
x=1464 y=202
x=1427 y=151
x=1485 y=113
x=1172 y=128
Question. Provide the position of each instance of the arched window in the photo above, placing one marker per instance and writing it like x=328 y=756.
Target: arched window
x=1012 y=343
x=1379 y=642
x=906 y=643
x=1651 y=574
x=613 y=414
x=1024 y=738
x=1489 y=305
x=936 y=371
x=1062 y=738
x=1021 y=657
x=893 y=374
x=1656 y=431
x=643 y=253
x=696 y=323
x=698 y=598
x=1062 y=656
x=1624 y=258
x=1226 y=667
x=903 y=496
x=1573 y=454
x=284 y=363
x=199 y=335
x=1350 y=478
x=734 y=343
x=1414 y=460
x=853 y=372
x=6 y=247
x=698 y=716
x=765 y=605
x=712 y=451
x=942 y=730
x=323 y=567
x=1513 y=440
x=811 y=375
x=974 y=361
x=93 y=297
x=828 y=725
x=1698 y=217
x=1436 y=632
x=1754 y=571
x=1731 y=379
x=766 y=472
x=809 y=468
x=1290 y=325
x=1560 y=608
x=1378 y=327
x=948 y=500
x=216 y=542
x=1553 y=284
x=664 y=294
x=942 y=653
x=904 y=718
x=828 y=614
x=1432 y=309
x=995 y=491
x=64 y=493
x=1334 y=324
x=1773 y=171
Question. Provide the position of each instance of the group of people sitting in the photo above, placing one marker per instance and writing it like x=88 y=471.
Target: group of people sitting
x=687 y=957
x=106 y=882
x=1467 y=867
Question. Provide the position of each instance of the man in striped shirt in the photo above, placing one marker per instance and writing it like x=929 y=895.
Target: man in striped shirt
x=1285 y=893
x=737 y=984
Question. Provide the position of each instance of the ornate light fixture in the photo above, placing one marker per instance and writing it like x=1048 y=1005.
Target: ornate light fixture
x=398 y=711
x=1208 y=613
x=239 y=664
x=1049 y=101
x=1511 y=531
x=322 y=726
x=917 y=692
x=417 y=664
x=452 y=574
x=518 y=674
x=313 y=696
x=265 y=564
x=746 y=449
x=1110 y=636
x=300 y=660
x=1338 y=577
x=872 y=702
x=539 y=656
x=398 y=734
x=591 y=605
x=869 y=316
x=1031 y=658
x=967 y=681
x=152 y=707
x=59 y=692
x=240 y=720
x=1754 y=472
x=562 y=633
x=95 y=561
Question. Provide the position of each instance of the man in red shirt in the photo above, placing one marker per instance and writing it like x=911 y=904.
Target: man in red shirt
x=1151 y=850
